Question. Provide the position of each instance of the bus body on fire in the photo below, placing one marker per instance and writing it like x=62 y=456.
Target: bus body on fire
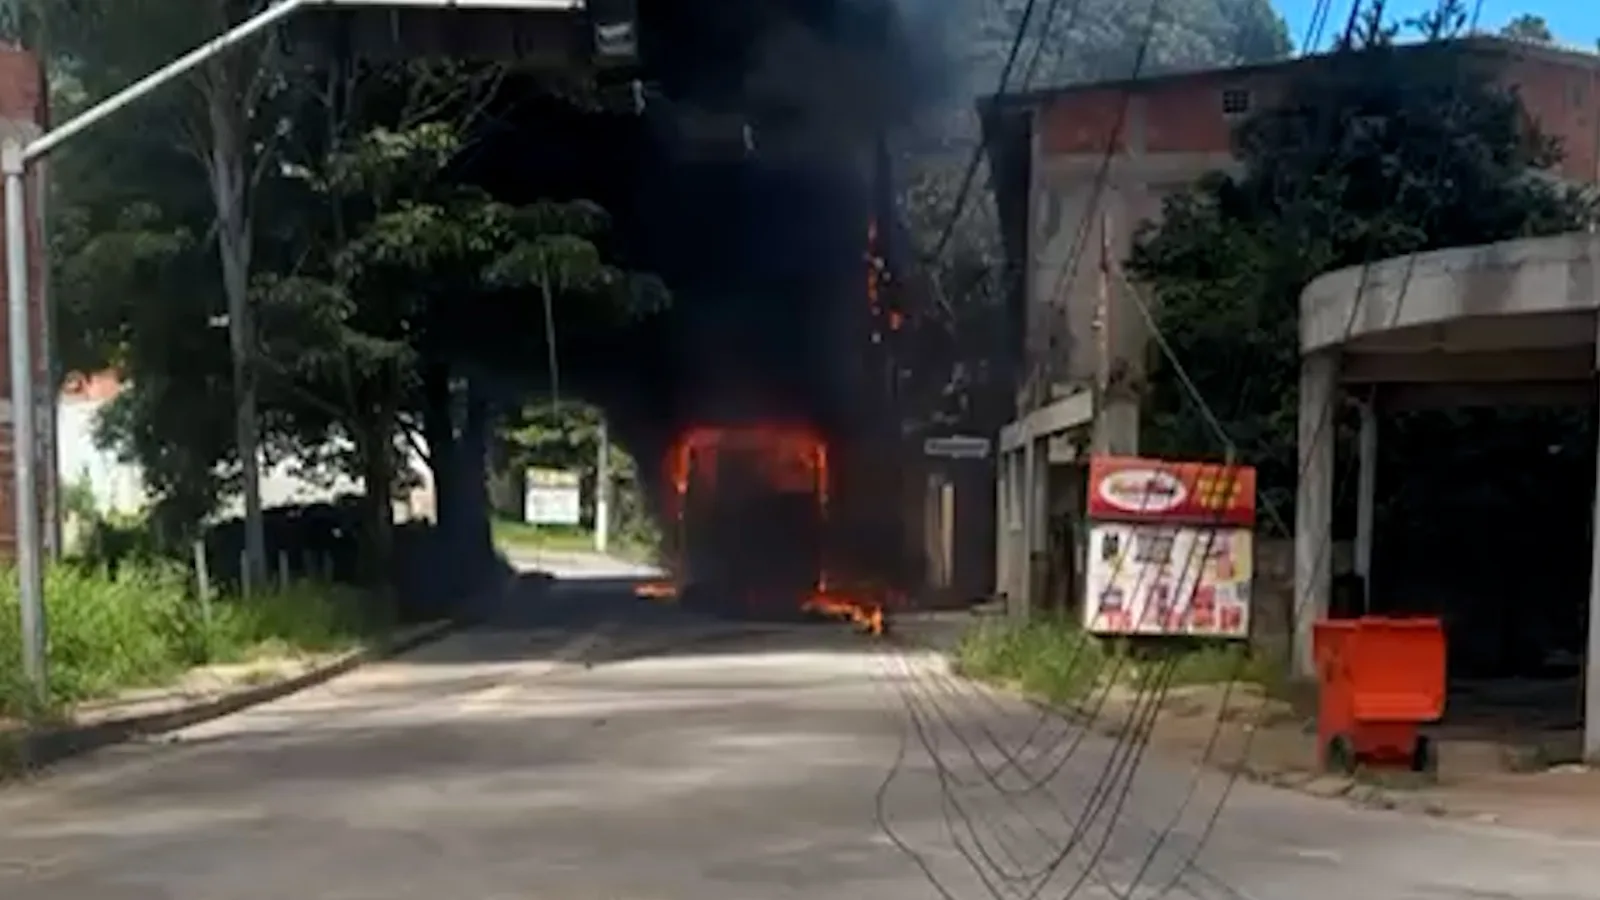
x=747 y=514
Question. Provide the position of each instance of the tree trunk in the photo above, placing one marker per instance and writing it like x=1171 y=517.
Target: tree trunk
x=438 y=430
x=473 y=474
x=227 y=169
x=378 y=475
x=506 y=486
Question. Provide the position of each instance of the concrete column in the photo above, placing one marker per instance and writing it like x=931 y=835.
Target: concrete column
x=1366 y=490
x=1313 y=518
x=1591 y=659
x=1002 y=523
x=1032 y=504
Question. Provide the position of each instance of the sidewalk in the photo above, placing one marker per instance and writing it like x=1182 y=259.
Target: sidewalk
x=202 y=693
x=1269 y=740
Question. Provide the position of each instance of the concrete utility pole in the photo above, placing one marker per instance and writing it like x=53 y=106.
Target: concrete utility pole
x=16 y=154
x=602 y=492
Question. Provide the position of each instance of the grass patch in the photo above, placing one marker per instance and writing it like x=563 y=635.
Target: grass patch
x=1052 y=657
x=143 y=627
x=513 y=535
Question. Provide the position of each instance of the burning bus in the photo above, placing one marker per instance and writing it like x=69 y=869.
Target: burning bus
x=747 y=514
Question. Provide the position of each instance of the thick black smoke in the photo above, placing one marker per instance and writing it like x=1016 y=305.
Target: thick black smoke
x=763 y=176
x=762 y=187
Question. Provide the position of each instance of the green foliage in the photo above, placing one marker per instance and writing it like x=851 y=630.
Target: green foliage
x=143 y=627
x=1047 y=656
x=1381 y=152
x=567 y=436
x=1529 y=27
x=1053 y=658
x=367 y=257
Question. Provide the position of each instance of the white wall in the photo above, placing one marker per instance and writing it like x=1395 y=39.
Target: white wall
x=119 y=487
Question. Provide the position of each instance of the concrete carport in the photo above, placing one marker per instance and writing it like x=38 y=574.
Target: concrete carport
x=1507 y=323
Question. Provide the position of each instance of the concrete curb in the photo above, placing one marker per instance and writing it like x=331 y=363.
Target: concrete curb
x=38 y=749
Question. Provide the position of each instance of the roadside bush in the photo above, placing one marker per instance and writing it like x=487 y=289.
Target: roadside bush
x=141 y=625
x=1054 y=658
x=1050 y=656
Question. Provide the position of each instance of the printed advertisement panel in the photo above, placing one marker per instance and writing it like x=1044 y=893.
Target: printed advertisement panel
x=1169 y=580
x=1128 y=489
x=552 y=497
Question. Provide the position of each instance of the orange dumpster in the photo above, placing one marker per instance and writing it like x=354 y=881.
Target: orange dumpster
x=1379 y=679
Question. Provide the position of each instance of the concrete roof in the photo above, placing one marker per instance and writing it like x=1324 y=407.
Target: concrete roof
x=1518 y=294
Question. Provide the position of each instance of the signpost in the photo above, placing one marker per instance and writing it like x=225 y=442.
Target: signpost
x=552 y=498
x=957 y=446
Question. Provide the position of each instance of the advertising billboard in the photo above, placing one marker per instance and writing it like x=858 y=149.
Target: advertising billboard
x=553 y=497
x=1171 y=548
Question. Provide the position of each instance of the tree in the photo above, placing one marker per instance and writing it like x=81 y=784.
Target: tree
x=224 y=122
x=1528 y=27
x=1383 y=151
x=400 y=267
x=382 y=282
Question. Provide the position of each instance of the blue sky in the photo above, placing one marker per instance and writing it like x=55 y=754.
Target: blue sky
x=1574 y=22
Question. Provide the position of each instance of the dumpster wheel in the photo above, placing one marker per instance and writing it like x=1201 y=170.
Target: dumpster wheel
x=1341 y=755
x=1425 y=756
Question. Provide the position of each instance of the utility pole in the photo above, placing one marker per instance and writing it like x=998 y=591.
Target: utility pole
x=24 y=446
x=602 y=491
x=1105 y=343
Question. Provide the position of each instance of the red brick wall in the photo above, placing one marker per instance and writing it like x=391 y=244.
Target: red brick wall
x=1184 y=115
x=21 y=106
x=1562 y=99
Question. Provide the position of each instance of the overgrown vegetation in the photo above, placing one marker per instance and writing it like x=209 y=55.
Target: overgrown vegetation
x=145 y=626
x=1051 y=657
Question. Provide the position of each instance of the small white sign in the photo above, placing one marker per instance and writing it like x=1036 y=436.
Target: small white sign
x=957 y=446
x=552 y=497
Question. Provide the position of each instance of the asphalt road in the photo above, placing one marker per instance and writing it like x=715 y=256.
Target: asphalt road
x=594 y=747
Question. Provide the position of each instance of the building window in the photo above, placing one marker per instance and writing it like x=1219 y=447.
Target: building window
x=1235 y=102
x=1580 y=94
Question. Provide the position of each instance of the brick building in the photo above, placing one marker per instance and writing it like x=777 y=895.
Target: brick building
x=22 y=110
x=1065 y=204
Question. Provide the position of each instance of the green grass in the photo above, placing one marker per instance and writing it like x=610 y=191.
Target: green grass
x=144 y=628
x=1051 y=657
x=513 y=535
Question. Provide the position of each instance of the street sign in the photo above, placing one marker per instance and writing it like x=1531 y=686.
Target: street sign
x=552 y=498
x=957 y=446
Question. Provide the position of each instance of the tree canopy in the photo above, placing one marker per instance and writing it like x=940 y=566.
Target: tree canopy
x=1384 y=150
x=378 y=280
x=1529 y=27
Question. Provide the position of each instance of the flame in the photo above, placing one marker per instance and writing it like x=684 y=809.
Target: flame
x=656 y=590
x=694 y=456
x=858 y=608
x=793 y=452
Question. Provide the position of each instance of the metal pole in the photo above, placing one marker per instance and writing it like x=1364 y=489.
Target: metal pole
x=244 y=31
x=602 y=492
x=183 y=65
x=24 y=449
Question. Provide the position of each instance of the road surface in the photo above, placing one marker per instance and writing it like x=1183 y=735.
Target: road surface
x=593 y=747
